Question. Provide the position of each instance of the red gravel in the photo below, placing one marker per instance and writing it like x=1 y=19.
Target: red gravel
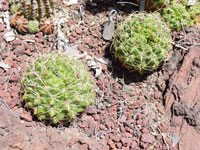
x=129 y=112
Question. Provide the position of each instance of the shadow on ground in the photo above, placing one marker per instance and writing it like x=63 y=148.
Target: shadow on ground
x=98 y=6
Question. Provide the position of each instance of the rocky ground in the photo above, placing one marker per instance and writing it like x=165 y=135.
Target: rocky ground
x=159 y=110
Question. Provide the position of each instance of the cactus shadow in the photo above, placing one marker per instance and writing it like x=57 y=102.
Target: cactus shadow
x=118 y=71
x=98 y=6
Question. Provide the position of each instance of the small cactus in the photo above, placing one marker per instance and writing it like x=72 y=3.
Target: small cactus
x=33 y=26
x=177 y=17
x=33 y=11
x=194 y=10
x=46 y=25
x=15 y=8
x=57 y=88
x=155 y=4
x=20 y=23
x=142 y=42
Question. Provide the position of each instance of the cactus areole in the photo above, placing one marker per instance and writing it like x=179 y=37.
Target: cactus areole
x=34 y=11
x=57 y=88
x=142 y=42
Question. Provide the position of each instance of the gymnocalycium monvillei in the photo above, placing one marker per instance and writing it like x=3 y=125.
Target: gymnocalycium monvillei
x=56 y=88
x=142 y=42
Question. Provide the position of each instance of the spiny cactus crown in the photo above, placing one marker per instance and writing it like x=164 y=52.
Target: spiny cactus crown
x=33 y=26
x=177 y=17
x=142 y=41
x=56 y=88
x=193 y=10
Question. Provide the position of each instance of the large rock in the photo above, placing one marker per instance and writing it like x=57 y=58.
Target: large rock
x=182 y=101
x=17 y=134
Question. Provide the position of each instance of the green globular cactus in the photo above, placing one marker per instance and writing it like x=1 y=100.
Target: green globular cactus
x=56 y=88
x=33 y=26
x=177 y=17
x=142 y=42
x=155 y=4
x=194 y=10
x=15 y=8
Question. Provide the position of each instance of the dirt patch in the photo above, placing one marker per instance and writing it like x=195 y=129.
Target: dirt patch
x=16 y=134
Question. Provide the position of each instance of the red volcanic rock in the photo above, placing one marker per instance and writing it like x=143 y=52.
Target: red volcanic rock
x=71 y=22
x=183 y=99
x=2 y=27
x=148 y=138
x=83 y=147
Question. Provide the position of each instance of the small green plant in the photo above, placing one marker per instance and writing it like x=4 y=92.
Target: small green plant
x=57 y=88
x=155 y=4
x=177 y=17
x=142 y=42
x=15 y=8
x=194 y=10
x=33 y=26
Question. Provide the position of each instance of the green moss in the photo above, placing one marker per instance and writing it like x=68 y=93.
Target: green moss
x=142 y=42
x=57 y=88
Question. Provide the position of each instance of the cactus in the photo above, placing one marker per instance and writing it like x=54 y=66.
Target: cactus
x=177 y=17
x=57 y=88
x=46 y=25
x=183 y=2
x=33 y=26
x=33 y=10
x=15 y=8
x=155 y=4
x=142 y=42
x=20 y=23
x=194 y=10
